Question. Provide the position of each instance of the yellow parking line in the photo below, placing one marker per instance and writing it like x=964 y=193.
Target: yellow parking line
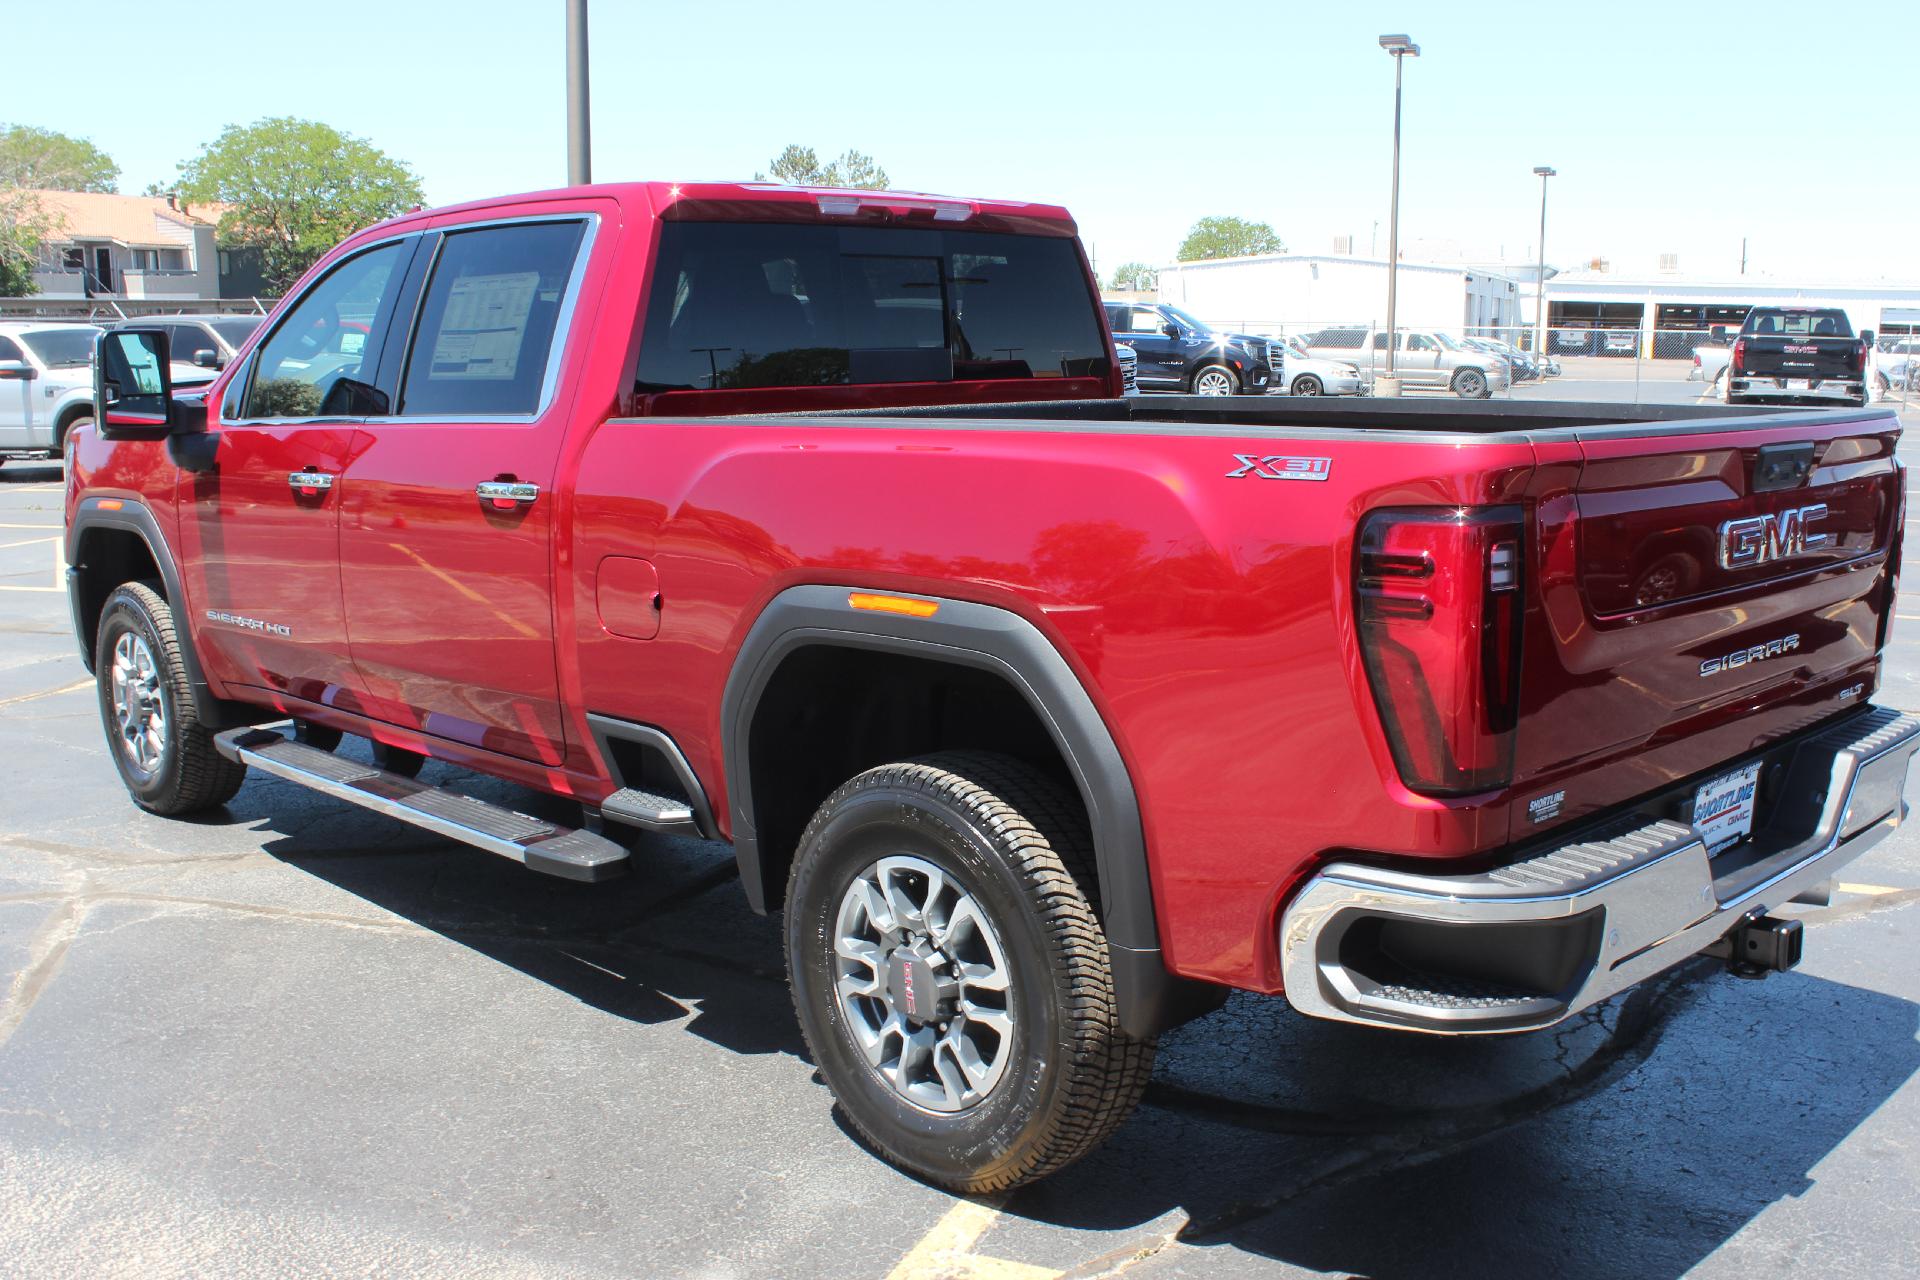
x=946 y=1252
x=28 y=542
x=1871 y=890
x=75 y=687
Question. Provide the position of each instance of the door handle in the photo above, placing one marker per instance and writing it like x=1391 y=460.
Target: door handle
x=506 y=495
x=309 y=484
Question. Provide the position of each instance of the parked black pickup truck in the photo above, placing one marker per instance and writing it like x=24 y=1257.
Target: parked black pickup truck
x=1791 y=352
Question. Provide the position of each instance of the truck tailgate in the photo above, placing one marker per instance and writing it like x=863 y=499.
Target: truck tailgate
x=1703 y=592
x=1798 y=357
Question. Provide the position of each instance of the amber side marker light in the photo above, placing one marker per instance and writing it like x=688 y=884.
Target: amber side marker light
x=903 y=605
x=109 y=504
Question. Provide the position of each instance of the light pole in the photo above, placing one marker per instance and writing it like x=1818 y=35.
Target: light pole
x=1402 y=48
x=1540 y=281
x=579 y=140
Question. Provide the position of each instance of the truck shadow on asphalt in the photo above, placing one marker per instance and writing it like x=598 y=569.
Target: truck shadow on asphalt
x=1637 y=1142
x=672 y=940
x=1636 y=1139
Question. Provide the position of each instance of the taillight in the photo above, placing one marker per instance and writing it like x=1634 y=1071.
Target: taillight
x=1739 y=353
x=1860 y=358
x=1438 y=599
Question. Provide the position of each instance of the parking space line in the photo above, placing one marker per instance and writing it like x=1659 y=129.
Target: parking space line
x=59 y=567
x=56 y=528
x=945 y=1252
x=29 y=542
x=1871 y=890
x=75 y=687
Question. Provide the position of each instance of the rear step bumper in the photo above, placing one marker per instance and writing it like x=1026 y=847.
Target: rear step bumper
x=1525 y=945
x=543 y=846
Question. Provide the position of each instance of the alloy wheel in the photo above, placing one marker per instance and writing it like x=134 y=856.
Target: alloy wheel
x=924 y=984
x=139 y=709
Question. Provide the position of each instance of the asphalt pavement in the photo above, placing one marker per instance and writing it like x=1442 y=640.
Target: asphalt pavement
x=293 y=1038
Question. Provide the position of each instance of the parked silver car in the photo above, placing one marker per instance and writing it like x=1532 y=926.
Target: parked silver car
x=1298 y=372
x=204 y=341
x=1423 y=358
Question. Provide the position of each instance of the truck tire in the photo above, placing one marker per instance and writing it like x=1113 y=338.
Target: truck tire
x=1471 y=384
x=1215 y=380
x=1306 y=385
x=165 y=755
x=79 y=418
x=950 y=972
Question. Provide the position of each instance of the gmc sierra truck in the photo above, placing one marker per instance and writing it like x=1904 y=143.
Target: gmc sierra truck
x=815 y=522
x=1797 y=352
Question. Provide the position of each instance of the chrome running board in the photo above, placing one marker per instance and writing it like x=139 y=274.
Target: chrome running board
x=542 y=846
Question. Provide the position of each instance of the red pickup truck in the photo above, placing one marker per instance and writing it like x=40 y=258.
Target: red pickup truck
x=815 y=522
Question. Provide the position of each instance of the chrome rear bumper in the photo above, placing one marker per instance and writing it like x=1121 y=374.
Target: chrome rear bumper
x=1528 y=944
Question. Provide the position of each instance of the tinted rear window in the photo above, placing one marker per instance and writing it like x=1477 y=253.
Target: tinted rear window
x=738 y=305
x=1801 y=324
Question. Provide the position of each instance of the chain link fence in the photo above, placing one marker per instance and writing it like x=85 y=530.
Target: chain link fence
x=1587 y=362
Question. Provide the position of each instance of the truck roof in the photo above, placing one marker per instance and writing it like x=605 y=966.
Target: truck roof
x=776 y=202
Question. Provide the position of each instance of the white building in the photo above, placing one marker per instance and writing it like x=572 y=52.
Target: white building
x=1670 y=311
x=1296 y=293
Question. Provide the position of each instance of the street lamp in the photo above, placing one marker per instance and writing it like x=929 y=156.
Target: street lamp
x=1402 y=48
x=579 y=144
x=1540 y=281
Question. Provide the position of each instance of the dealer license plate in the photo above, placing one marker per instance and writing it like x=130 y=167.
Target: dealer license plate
x=1799 y=384
x=1723 y=808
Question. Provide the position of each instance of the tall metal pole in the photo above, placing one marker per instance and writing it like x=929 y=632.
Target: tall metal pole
x=1401 y=48
x=1540 y=281
x=579 y=138
x=1393 y=223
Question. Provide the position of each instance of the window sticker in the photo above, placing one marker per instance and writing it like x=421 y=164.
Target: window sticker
x=485 y=321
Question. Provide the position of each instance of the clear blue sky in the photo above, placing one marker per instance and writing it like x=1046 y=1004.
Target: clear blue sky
x=1140 y=118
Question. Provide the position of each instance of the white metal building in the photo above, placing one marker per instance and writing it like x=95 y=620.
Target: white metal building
x=1591 y=299
x=1292 y=293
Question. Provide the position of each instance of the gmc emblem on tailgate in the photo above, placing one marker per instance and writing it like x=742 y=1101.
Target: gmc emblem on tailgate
x=1764 y=539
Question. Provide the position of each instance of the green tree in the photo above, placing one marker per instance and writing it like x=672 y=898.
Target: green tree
x=23 y=225
x=296 y=188
x=1135 y=275
x=31 y=157
x=798 y=166
x=1228 y=237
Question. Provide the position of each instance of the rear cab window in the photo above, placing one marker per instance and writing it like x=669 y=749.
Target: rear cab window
x=1821 y=323
x=736 y=306
x=486 y=330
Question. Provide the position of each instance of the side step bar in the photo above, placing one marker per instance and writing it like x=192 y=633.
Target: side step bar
x=651 y=810
x=543 y=846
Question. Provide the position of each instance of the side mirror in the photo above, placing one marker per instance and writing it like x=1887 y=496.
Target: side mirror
x=1171 y=329
x=1719 y=333
x=133 y=388
x=1866 y=336
x=17 y=371
x=206 y=359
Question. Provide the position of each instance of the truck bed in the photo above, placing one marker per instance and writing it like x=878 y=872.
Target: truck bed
x=1306 y=416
